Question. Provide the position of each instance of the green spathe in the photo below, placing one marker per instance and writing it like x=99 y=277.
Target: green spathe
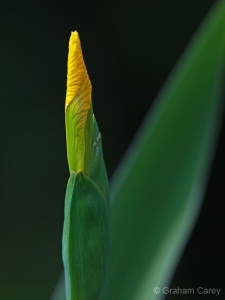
x=86 y=230
x=85 y=236
x=78 y=159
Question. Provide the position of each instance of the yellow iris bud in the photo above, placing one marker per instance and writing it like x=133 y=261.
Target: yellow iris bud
x=78 y=108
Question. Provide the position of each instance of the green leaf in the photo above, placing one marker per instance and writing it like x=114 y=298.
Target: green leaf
x=86 y=230
x=158 y=188
x=85 y=237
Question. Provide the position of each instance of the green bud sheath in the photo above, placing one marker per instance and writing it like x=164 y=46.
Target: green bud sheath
x=86 y=229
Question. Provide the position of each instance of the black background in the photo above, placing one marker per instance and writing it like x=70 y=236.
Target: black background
x=130 y=48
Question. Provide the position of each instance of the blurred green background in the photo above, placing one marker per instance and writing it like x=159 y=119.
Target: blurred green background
x=129 y=48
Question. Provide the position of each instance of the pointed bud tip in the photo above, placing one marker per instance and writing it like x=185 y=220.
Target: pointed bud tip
x=76 y=68
x=74 y=38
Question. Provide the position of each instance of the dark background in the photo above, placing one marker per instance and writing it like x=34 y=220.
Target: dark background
x=129 y=48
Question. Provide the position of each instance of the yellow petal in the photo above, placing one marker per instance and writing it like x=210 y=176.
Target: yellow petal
x=78 y=82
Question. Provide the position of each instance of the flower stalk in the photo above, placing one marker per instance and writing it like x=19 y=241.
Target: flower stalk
x=86 y=229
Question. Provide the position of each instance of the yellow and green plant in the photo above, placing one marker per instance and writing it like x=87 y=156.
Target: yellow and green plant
x=156 y=192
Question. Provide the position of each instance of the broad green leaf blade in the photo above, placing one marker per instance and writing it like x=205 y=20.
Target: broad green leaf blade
x=158 y=188
x=85 y=238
